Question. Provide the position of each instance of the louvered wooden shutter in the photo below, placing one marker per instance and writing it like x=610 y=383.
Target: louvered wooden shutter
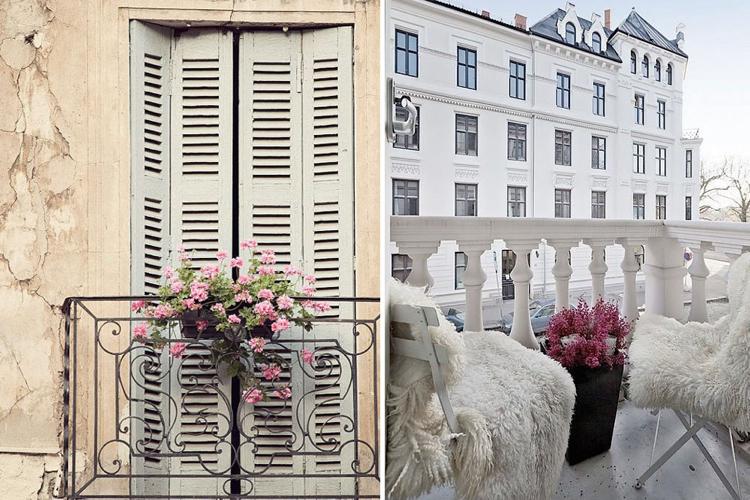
x=150 y=63
x=328 y=208
x=202 y=222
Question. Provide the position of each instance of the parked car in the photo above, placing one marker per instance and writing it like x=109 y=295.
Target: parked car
x=540 y=312
x=457 y=318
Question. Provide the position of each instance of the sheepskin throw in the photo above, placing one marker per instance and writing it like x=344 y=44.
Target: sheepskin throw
x=696 y=367
x=513 y=407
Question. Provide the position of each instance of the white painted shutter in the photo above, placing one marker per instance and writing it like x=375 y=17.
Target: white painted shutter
x=150 y=62
x=202 y=222
x=296 y=197
x=328 y=208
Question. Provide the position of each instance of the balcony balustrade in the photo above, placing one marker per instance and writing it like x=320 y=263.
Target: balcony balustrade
x=664 y=241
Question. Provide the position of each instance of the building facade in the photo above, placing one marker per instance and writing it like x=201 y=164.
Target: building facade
x=568 y=117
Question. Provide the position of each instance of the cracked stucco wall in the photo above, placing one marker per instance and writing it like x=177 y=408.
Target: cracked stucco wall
x=42 y=243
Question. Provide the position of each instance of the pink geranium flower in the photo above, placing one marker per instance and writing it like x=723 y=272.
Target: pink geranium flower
x=265 y=294
x=268 y=257
x=280 y=325
x=201 y=325
x=284 y=302
x=253 y=396
x=291 y=270
x=210 y=271
x=199 y=291
x=236 y=262
x=308 y=290
x=307 y=356
x=137 y=305
x=266 y=271
x=169 y=272
x=218 y=309
x=234 y=319
x=244 y=279
x=177 y=349
x=163 y=311
x=271 y=372
x=310 y=279
x=176 y=286
x=284 y=393
x=140 y=331
x=257 y=344
x=264 y=308
x=221 y=255
x=248 y=244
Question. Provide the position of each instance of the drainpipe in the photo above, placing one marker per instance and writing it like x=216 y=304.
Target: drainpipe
x=532 y=176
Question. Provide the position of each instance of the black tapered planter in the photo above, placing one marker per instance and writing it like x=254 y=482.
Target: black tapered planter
x=190 y=320
x=597 y=395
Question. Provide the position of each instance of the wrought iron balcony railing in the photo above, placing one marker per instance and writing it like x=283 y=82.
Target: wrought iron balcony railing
x=138 y=423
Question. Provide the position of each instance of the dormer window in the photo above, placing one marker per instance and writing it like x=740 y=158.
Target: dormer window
x=657 y=70
x=596 y=42
x=644 y=66
x=570 y=34
x=633 y=62
x=669 y=74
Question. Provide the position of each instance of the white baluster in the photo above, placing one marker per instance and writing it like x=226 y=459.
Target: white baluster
x=629 y=266
x=474 y=278
x=419 y=253
x=562 y=271
x=597 y=267
x=521 y=275
x=664 y=270
x=698 y=273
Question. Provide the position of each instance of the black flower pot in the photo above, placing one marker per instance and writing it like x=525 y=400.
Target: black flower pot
x=597 y=395
x=189 y=322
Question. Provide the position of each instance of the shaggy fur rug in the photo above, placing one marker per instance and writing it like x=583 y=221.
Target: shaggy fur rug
x=697 y=367
x=513 y=406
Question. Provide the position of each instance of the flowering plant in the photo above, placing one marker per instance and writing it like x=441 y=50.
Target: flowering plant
x=240 y=314
x=588 y=336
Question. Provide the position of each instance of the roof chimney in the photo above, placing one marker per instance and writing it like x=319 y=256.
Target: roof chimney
x=486 y=13
x=520 y=21
x=608 y=18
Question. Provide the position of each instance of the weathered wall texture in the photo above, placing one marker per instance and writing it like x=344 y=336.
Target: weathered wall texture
x=42 y=236
x=64 y=186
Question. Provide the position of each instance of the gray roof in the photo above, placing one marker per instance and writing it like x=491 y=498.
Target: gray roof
x=547 y=28
x=641 y=29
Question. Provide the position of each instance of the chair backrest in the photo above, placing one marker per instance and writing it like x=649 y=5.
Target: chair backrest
x=420 y=318
x=738 y=287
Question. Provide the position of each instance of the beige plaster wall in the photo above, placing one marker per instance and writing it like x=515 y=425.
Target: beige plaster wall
x=64 y=185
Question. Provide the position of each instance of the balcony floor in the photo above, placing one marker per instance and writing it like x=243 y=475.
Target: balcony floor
x=611 y=475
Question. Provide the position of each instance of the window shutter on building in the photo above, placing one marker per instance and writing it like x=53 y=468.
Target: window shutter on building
x=295 y=190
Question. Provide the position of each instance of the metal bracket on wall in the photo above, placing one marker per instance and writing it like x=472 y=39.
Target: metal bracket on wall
x=393 y=126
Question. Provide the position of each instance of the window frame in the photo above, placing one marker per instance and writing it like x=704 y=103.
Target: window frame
x=562 y=90
x=639 y=155
x=406 y=196
x=596 y=38
x=456 y=267
x=599 y=151
x=633 y=62
x=598 y=104
x=570 y=29
x=562 y=205
x=640 y=111
x=688 y=163
x=661 y=161
x=517 y=139
x=639 y=209
x=514 y=80
x=688 y=208
x=407 y=51
x=657 y=70
x=645 y=62
x=466 y=199
x=669 y=73
x=410 y=143
x=520 y=203
x=467 y=131
x=597 y=204
x=661 y=113
x=661 y=209
x=561 y=146
x=466 y=67
x=406 y=268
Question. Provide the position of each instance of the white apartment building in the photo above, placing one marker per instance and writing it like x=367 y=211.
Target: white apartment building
x=567 y=117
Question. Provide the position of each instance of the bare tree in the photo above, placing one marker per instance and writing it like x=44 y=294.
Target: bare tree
x=737 y=178
x=711 y=186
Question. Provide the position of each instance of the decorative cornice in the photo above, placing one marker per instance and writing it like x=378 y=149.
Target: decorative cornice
x=405 y=169
x=467 y=172
x=639 y=185
x=574 y=55
x=564 y=180
x=662 y=188
x=517 y=177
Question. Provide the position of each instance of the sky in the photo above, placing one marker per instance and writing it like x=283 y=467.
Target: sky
x=716 y=96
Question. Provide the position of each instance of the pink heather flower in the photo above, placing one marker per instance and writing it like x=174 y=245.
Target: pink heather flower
x=280 y=325
x=291 y=270
x=321 y=307
x=234 y=319
x=271 y=372
x=244 y=279
x=265 y=294
x=210 y=272
x=308 y=290
x=163 y=311
x=248 y=244
x=237 y=262
x=177 y=349
x=201 y=325
x=266 y=271
x=169 y=272
x=284 y=302
x=307 y=356
x=221 y=255
x=218 y=309
x=253 y=396
x=140 y=331
x=257 y=344
x=243 y=296
x=268 y=256
x=199 y=291
x=284 y=393
x=310 y=279
x=176 y=286
x=137 y=305
x=264 y=308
